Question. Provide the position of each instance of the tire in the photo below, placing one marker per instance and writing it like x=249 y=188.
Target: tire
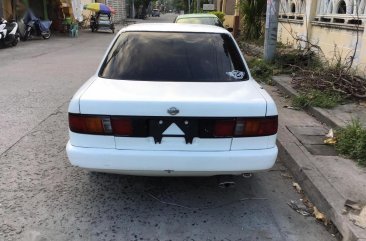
x=15 y=42
x=26 y=36
x=92 y=29
x=112 y=30
x=46 y=35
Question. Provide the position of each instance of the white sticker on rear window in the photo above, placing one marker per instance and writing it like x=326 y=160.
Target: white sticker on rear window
x=236 y=74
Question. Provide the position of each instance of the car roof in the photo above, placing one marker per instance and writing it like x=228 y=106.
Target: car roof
x=173 y=27
x=197 y=15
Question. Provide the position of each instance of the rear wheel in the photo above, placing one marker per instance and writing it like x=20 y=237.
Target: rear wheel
x=15 y=42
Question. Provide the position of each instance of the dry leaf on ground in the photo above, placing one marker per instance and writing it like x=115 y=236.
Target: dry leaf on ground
x=319 y=215
x=330 y=138
x=297 y=187
x=360 y=219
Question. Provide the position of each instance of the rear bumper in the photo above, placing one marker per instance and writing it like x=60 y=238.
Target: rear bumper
x=171 y=163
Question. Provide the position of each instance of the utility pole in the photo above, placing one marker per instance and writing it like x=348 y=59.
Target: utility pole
x=270 y=38
x=198 y=6
x=189 y=6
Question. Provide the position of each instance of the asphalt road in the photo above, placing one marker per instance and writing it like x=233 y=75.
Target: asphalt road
x=44 y=198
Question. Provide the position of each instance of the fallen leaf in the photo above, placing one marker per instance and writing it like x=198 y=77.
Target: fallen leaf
x=319 y=215
x=307 y=203
x=360 y=219
x=330 y=138
x=297 y=187
x=330 y=141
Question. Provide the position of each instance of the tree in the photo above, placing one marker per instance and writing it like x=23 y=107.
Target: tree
x=253 y=12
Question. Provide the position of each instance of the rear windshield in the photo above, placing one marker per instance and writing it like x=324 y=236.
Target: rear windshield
x=166 y=56
x=209 y=21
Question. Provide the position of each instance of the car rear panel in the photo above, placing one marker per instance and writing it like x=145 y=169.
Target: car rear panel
x=149 y=101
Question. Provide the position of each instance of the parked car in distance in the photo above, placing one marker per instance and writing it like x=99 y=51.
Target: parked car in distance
x=200 y=18
x=101 y=22
x=194 y=110
x=155 y=13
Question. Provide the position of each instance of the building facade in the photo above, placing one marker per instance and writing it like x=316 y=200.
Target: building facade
x=336 y=26
x=228 y=7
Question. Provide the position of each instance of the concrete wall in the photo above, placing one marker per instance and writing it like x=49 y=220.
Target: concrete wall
x=229 y=8
x=120 y=7
x=336 y=34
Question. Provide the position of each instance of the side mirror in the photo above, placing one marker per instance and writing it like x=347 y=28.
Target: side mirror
x=230 y=29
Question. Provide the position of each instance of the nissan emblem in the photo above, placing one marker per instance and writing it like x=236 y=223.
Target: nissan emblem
x=173 y=111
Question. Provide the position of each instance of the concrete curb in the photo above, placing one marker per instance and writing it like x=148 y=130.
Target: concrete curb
x=314 y=111
x=315 y=185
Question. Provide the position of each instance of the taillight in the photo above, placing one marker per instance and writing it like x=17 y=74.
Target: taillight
x=224 y=128
x=246 y=127
x=89 y=124
x=250 y=127
x=207 y=127
x=86 y=124
x=122 y=126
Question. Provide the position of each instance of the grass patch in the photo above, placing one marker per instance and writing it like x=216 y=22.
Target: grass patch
x=351 y=142
x=261 y=70
x=317 y=98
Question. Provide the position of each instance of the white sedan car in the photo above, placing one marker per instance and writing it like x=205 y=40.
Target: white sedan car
x=173 y=99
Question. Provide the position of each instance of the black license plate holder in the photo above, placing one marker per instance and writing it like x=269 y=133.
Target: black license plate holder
x=188 y=126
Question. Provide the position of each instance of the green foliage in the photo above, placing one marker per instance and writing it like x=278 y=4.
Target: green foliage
x=261 y=70
x=220 y=15
x=351 y=142
x=317 y=98
x=253 y=20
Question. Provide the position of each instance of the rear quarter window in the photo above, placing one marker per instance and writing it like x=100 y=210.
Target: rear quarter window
x=167 y=56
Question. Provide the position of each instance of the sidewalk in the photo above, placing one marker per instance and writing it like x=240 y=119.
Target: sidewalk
x=336 y=117
x=327 y=179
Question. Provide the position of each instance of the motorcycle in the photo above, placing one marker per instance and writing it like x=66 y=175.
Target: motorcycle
x=36 y=27
x=9 y=33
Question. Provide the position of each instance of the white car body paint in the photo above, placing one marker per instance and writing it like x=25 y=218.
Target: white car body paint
x=141 y=155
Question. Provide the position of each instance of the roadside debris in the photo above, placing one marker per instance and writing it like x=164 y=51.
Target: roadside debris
x=307 y=208
x=352 y=204
x=330 y=138
x=299 y=207
x=360 y=219
x=319 y=215
x=290 y=107
x=297 y=187
x=356 y=212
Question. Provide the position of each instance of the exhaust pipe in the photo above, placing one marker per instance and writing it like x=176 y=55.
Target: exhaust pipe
x=226 y=181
